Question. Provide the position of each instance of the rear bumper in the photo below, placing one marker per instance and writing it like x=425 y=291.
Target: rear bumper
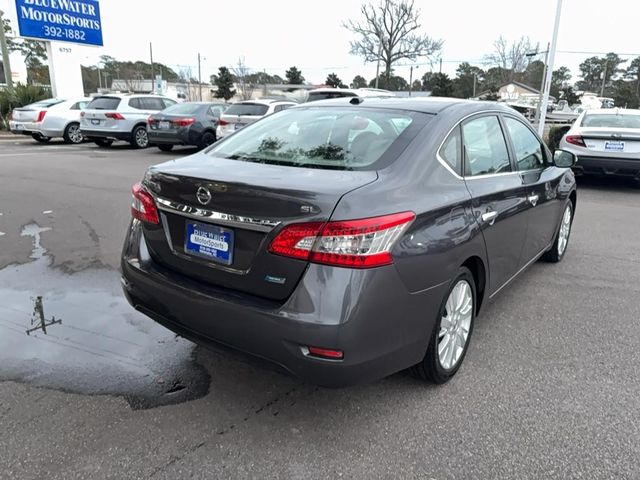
x=592 y=165
x=19 y=128
x=366 y=313
x=112 y=135
x=179 y=137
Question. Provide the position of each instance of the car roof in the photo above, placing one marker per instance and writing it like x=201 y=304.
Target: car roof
x=612 y=111
x=433 y=105
x=265 y=101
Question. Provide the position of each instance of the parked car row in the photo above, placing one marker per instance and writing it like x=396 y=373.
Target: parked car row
x=142 y=120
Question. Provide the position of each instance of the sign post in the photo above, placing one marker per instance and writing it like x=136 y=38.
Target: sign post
x=60 y=23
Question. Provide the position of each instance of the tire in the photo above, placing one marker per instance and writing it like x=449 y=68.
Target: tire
x=435 y=366
x=72 y=134
x=40 y=138
x=139 y=137
x=103 y=142
x=165 y=147
x=207 y=139
x=556 y=253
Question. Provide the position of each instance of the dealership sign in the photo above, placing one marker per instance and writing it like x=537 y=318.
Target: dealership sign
x=76 y=21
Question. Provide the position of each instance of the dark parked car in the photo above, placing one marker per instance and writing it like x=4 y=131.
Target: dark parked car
x=348 y=239
x=189 y=123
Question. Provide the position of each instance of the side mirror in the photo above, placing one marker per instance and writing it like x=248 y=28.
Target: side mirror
x=564 y=159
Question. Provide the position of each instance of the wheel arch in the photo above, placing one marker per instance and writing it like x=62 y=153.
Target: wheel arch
x=479 y=272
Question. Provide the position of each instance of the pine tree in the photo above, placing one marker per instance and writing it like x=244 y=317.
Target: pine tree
x=224 y=82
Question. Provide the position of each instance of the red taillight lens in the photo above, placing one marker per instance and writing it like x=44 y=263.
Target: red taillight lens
x=575 y=140
x=151 y=120
x=325 y=353
x=82 y=114
x=41 y=116
x=222 y=123
x=114 y=115
x=143 y=206
x=184 y=122
x=363 y=243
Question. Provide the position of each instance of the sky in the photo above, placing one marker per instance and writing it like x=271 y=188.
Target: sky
x=273 y=35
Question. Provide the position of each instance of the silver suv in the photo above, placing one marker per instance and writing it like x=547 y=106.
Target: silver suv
x=121 y=117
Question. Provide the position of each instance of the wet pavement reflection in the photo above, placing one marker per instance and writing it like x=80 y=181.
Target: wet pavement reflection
x=100 y=346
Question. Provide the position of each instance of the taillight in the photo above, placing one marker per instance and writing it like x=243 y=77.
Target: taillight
x=184 y=122
x=114 y=115
x=575 y=140
x=151 y=120
x=82 y=114
x=363 y=243
x=222 y=123
x=41 y=115
x=143 y=206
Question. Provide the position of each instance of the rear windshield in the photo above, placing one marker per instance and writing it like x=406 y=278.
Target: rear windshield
x=313 y=96
x=611 y=120
x=45 y=103
x=256 y=109
x=104 y=103
x=339 y=138
x=183 y=108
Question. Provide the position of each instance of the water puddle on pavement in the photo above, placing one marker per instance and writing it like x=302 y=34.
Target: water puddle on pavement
x=101 y=344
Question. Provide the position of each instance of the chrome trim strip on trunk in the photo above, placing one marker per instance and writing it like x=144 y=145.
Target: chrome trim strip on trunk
x=197 y=213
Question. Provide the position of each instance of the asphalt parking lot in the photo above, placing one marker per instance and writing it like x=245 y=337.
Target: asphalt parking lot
x=549 y=388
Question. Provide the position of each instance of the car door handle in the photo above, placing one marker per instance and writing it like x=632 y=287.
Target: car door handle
x=533 y=199
x=489 y=217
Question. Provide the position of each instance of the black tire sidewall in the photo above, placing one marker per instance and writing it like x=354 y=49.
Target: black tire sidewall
x=432 y=360
x=203 y=143
x=165 y=147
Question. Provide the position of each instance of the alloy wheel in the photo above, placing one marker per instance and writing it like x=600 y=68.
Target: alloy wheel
x=455 y=325
x=74 y=134
x=142 y=139
x=565 y=229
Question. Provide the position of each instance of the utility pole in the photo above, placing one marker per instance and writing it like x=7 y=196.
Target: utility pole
x=379 y=55
x=153 y=73
x=440 y=64
x=199 y=78
x=475 y=80
x=410 y=80
x=549 y=73
x=544 y=77
x=6 y=63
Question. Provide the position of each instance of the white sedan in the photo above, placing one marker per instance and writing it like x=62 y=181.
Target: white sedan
x=61 y=120
x=606 y=142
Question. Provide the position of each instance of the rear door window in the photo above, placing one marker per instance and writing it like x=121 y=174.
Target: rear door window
x=485 y=147
x=253 y=109
x=168 y=102
x=104 y=103
x=152 y=103
x=527 y=148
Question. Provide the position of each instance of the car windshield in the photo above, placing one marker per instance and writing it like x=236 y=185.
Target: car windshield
x=611 y=120
x=329 y=137
x=183 y=109
x=256 y=109
x=104 y=103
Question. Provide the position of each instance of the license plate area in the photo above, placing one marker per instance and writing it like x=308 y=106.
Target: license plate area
x=614 y=146
x=210 y=242
x=163 y=125
x=95 y=121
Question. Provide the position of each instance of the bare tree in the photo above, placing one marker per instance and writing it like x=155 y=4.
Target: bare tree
x=190 y=84
x=511 y=58
x=389 y=32
x=245 y=87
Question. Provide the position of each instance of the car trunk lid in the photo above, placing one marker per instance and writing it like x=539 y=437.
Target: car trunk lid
x=249 y=204
x=612 y=140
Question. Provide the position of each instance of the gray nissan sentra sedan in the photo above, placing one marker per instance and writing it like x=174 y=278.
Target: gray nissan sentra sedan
x=348 y=239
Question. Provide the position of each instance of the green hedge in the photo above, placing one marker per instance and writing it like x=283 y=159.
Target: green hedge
x=555 y=135
x=20 y=96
